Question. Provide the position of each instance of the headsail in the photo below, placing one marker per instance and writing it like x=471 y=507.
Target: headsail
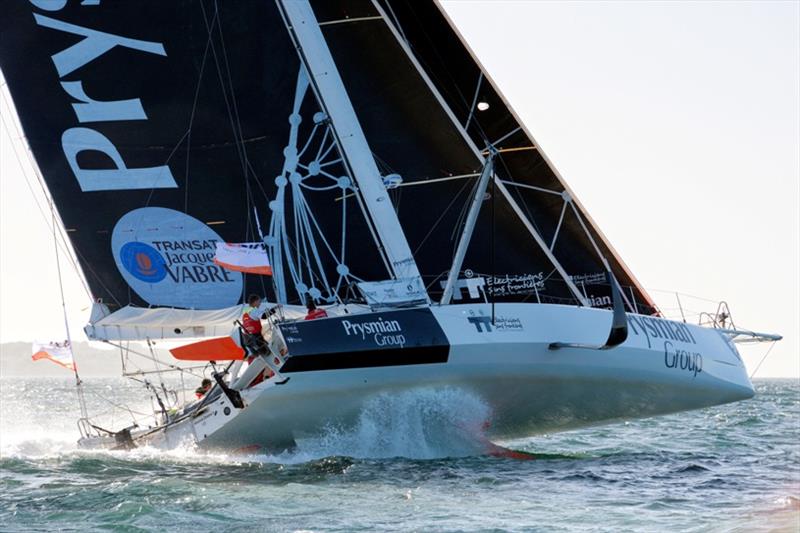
x=162 y=129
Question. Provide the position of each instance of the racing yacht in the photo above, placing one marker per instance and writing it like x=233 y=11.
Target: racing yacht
x=399 y=193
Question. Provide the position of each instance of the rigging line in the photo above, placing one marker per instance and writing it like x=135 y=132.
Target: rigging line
x=233 y=116
x=507 y=150
x=441 y=87
x=464 y=210
x=166 y=162
x=188 y=131
x=118 y=406
x=397 y=23
x=330 y=147
x=558 y=227
x=425 y=182
x=158 y=368
x=235 y=104
x=49 y=226
x=492 y=246
x=257 y=180
x=78 y=383
x=231 y=88
x=286 y=242
x=327 y=175
x=532 y=187
x=444 y=212
x=305 y=234
x=331 y=162
x=683 y=294
x=298 y=238
x=288 y=246
x=191 y=122
x=474 y=100
x=507 y=135
x=385 y=168
x=64 y=244
x=344 y=21
x=763 y=359
x=237 y=128
x=318 y=189
x=520 y=200
x=308 y=142
x=129 y=350
x=344 y=229
x=306 y=214
x=324 y=140
x=435 y=279
x=210 y=29
x=602 y=257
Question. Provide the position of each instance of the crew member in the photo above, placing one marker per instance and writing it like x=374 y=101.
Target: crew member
x=204 y=387
x=251 y=316
x=313 y=311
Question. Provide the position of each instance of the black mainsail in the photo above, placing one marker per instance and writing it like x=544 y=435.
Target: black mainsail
x=161 y=128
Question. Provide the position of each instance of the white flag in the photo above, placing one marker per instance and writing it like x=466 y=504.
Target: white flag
x=250 y=257
x=58 y=352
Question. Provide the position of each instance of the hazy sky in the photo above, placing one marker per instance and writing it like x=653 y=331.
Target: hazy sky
x=677 y=124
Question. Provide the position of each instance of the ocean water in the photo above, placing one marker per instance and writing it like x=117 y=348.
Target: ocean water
x=404 y=467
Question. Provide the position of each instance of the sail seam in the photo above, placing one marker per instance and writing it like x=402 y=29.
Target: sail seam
x=344 y=21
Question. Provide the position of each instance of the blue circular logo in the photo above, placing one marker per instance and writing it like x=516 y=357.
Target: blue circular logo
x=143 y=262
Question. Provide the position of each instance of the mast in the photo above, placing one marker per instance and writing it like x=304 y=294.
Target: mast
x=334 y=100
x=469 y=226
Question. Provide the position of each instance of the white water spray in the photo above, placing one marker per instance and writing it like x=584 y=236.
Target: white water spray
x=424 y=423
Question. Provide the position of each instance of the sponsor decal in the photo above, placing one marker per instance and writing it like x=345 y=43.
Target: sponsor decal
x=393 y=291
x=167 y=258
x=382 y=332
x=473 y=286
x=592 y=278
x=658 y=328
x=600 y=301
x=682 y=359
x=143 y=262
x=484 y=324
x=672 y=333
x=507 y=285
x=481 y=323
x=505 y=323
x=86 y=46
x=515 y=284
x=391 y=338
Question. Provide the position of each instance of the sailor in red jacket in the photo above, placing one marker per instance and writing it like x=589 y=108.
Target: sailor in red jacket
x=251 y=315
x=313 y=312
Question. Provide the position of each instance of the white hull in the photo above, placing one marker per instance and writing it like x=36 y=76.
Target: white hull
x=663 y=367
